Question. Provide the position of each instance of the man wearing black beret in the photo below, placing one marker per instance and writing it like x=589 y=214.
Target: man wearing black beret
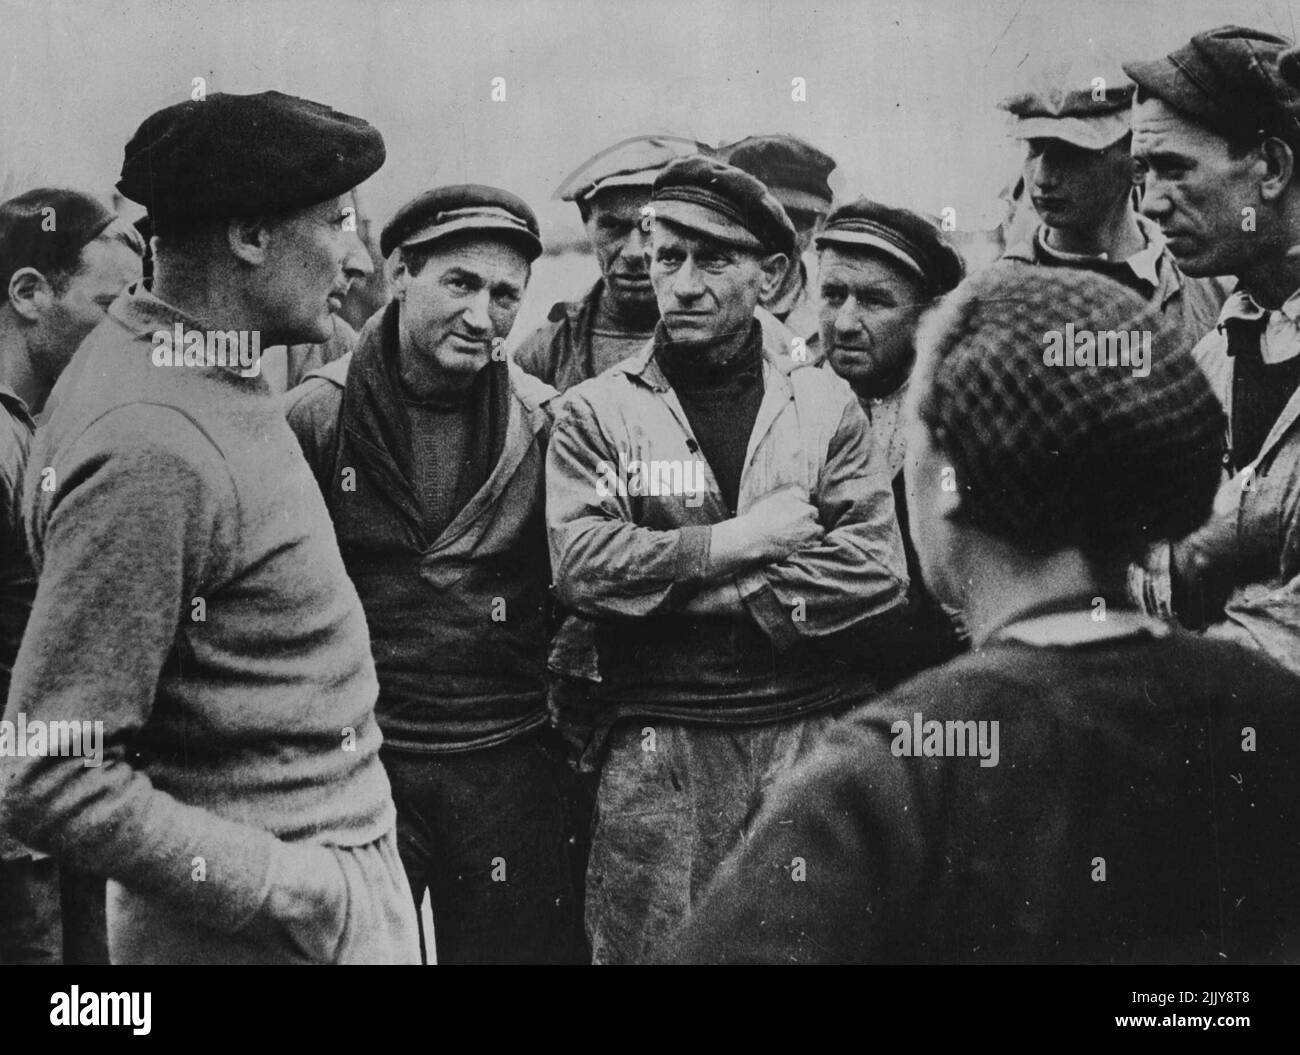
x=192 y=607
x=1216 y=134
x=716 y=507
x=429 y=448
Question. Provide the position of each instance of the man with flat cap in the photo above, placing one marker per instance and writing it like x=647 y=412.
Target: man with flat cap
x=718 y=509
x=192 y=605
x=1074 y=121
x=797 y=174
x=586 y=337
x=880 y=269
x=429 y=446
x=1216 y=134
x=583 y=338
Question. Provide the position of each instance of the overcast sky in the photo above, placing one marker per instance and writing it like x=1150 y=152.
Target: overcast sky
x=902 y=92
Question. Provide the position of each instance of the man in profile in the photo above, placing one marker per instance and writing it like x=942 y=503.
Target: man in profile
x=191 y=597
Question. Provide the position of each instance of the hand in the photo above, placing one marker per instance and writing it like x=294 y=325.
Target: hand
x=781 y=522
x=308 y=898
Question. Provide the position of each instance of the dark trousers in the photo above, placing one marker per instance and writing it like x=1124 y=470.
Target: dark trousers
x=50 y=914
x=490 y=834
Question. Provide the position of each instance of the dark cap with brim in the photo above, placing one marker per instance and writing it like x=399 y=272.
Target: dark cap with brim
x=245 y=155
x=463 y=209
x=1234 y=81
x=796 y=172
x=905 y=238
x=712 y=198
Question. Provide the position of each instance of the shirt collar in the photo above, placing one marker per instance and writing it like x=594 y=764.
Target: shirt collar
x=16 y=405
x=1281 y=338
x=144 y=315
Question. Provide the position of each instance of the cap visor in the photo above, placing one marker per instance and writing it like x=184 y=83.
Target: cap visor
x=861 y=240
x=1161 y=78
x=798 y=198
x=1091 y=133
x=480 y=225
x=698 y=219
x=641 y=178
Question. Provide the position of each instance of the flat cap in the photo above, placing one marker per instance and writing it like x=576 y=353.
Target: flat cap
x=796 y=172
x=459 y=208
x=710 y=197
x=1233 y=80
x=1080 y=103
x=632 y=162
x=1101 y=457
x=245 y=155
x=905 y=238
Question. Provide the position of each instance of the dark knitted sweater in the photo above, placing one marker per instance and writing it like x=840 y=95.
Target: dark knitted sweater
x=1143 y=808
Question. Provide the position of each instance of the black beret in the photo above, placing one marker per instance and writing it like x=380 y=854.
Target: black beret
x=463 y=207
x=710 y=197
x=906 y=238
x=245 y=155
x=797 y=172
x=1235 y=81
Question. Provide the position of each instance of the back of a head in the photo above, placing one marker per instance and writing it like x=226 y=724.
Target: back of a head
x=46 y=229
x=1046 y=456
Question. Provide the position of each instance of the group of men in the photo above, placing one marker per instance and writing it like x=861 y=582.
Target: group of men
x=630 y=646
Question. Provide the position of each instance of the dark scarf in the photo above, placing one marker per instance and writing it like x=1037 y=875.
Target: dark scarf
x=689 y=364
x=374 y=412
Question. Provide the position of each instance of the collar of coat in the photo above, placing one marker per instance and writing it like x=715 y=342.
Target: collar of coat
x=777 y=342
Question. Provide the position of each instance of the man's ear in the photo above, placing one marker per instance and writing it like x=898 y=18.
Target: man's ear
x=30 y=294
x=1279 y=160
x=774 y=268
x=398 y=275
x=249 y=239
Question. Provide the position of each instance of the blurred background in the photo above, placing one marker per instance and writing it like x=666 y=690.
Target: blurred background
x=901 y=92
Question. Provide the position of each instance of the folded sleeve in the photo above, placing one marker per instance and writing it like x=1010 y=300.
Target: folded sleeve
x=606 y=565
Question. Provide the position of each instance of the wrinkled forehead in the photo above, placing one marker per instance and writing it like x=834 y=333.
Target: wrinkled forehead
x=863 y=267
x=1159 y=128
x=624 y=203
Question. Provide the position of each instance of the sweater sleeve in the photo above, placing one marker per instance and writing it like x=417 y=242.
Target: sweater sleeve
x=132 y=530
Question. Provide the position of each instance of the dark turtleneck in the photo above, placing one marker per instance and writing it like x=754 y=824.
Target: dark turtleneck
x=720 y=386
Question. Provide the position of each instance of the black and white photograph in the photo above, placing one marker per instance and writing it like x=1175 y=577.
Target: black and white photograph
x=658 y=482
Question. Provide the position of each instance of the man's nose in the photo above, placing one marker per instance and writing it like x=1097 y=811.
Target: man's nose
x=357 y=263
x=688 y=283
x=1043 y=172
x=636 y=249
x=476 y=314
x=1155 y=204
x=848 y=321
